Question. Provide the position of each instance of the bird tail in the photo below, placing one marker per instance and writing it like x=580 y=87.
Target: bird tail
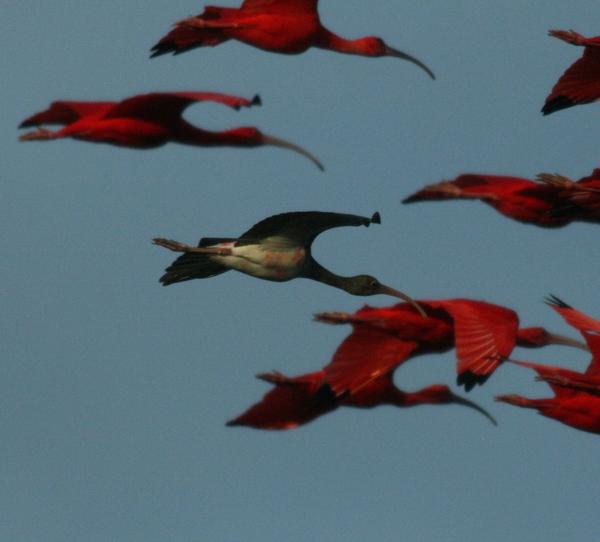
x=191 y=266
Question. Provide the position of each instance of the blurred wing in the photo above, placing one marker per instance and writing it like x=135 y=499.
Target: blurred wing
x=63 y=112
x=367 y=354
x=302 y=227
x=169 y=105
x=578 y=85
x=288 y=405
x=485 y=335
x=281 y=6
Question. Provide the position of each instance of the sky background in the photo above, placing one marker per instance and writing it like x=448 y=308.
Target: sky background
x=114 y=390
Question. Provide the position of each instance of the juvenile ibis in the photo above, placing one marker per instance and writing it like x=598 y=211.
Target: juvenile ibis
x=150 y=120
x=580 y=84
x=484 y=335
x=278 y=248
x=295 y=401
x=280 y=26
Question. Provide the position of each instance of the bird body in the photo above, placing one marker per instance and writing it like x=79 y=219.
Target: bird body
x=484 y=335
x=280 y=26
x=277 y=248
x=580 y=83
x=576 y=400
x=148 y=121
x=514 y=197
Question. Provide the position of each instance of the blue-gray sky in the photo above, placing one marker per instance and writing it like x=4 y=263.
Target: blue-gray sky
x=114 y=391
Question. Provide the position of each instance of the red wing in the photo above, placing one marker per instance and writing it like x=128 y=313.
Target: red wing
x=281 y=6
x=578 y=85
x=63 y=112
x=162 y=106
x=366 y=354
x=485 y=335
x=291 y=403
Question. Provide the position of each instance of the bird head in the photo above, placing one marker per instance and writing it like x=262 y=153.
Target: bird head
x=438 y=394
x=535 y=337
x=374 y=46
x=368 y=285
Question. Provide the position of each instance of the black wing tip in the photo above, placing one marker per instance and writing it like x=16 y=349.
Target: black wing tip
x=162 y=49
x=256 y=100
x=376 y=218
x=555 y=301
x=411 y=199
x=469 y=380
x=556 y=104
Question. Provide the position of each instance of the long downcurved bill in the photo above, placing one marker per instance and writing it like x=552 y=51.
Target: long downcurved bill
x=400 y=295
x=399 y=54
x=465 y=402
x=278 y=142
x=553 y=338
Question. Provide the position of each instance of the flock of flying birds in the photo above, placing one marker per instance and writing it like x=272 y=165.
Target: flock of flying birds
x=278 y=248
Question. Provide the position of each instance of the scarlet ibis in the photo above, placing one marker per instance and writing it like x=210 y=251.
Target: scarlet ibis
x=484 y=335
x=514 y=197
x=280 y=26
x=298 y=400
x=576 y=401
x=149 y=120
x=590 y=329
x=580 y=84
x=278 y=248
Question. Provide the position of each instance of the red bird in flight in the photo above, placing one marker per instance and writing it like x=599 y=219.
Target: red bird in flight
x=576 y=400
x=149 y=120
x=280 y=26
x=580 y=84
x=484 y=335
x=552 y=202
x=298 y=400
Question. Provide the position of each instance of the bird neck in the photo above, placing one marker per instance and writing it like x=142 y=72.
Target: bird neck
x=236 y=137
x=317 y=272
x=329 y=40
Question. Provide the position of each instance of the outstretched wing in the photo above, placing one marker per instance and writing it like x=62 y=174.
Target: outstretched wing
x=302 y=227
x=366 y=354
x=579 y=84
x=587 y=326
x=484 y=335
x=66 y=112
x=281 y=6
x=292 y=402
x=168 y=105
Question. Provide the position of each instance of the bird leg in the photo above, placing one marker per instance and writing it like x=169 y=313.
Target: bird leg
x=176 y=246
x=40 y=133
x=332 y=317
x=570 y=36
x=554 y=179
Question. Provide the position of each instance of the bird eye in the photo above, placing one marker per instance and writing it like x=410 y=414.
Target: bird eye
x=374 y=283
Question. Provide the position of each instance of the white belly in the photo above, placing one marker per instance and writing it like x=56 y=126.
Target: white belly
x=279 y=264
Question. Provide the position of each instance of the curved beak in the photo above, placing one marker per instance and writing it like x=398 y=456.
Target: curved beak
x=553 y=338
x=400 y=295
x=389 y=51
x=465 y=402
x=278 y=142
